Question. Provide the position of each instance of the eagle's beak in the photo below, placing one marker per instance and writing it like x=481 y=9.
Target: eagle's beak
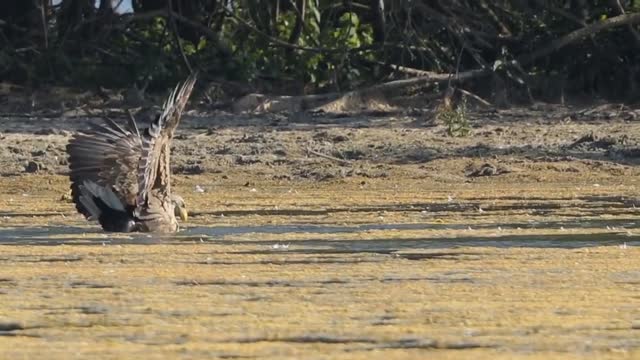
x=183 y=213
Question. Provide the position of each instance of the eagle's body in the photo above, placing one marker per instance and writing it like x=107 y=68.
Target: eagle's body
x=121 y=176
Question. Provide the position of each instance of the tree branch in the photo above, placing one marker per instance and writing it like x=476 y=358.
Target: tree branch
x=617 y=7
x=579 y=34
x=176 y=36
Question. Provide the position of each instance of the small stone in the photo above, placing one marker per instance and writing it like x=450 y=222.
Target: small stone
x=10 y=326
x=66 y=197
x=340 y=138
x=280 y=152
x=33 y=166
x=190 y=169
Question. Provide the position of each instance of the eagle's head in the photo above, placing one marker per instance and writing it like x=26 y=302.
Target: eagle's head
x=179 y=207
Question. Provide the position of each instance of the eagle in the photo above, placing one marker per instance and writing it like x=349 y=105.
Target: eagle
x=120 y=174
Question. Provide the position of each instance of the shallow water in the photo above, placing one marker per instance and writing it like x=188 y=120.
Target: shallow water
x=549 y=276
x=603 y=232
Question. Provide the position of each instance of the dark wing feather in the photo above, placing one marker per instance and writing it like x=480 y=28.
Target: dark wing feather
x=108 y=155
x=157 y=138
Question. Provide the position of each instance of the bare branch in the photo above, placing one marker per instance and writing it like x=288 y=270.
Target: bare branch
x=579 y=34
x=176 y=36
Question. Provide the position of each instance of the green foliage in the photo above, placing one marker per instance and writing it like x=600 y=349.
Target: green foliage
x=342 y=66
x=455 y=119
x=333 y=48
x=325 y=60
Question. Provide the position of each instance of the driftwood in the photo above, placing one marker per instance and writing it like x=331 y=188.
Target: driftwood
x=261 y=103
x=329 y=157
x=343 y=102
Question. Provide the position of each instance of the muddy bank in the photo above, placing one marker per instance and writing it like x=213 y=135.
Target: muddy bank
x=516 y=143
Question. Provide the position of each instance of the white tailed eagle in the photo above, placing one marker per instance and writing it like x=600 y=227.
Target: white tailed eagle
x=121 y=176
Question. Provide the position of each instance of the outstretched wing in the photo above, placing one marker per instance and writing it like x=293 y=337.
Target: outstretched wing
x=153 y=167
x=107 y=155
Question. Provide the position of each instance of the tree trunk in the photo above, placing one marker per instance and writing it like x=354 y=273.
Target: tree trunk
x=378 y=22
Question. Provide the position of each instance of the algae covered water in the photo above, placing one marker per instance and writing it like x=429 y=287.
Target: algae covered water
x=444 y=273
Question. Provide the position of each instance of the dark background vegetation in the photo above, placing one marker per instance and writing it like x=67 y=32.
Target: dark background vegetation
x=584 y=47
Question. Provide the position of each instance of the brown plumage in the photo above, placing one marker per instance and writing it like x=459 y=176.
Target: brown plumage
x=121 y=176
